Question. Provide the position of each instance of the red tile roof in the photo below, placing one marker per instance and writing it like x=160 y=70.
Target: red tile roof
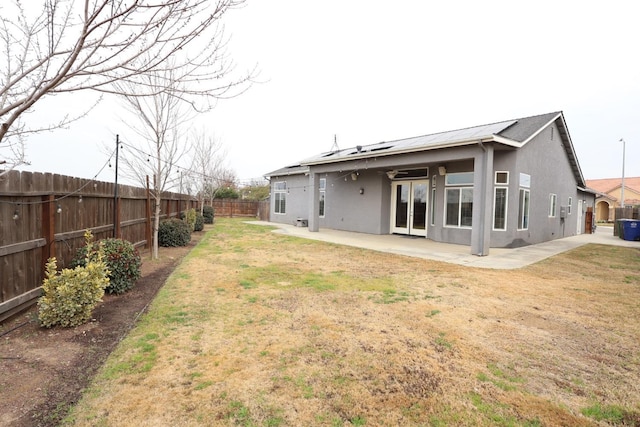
x=609 y=184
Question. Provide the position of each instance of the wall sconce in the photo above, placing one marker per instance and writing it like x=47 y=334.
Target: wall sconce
x=442 y=170
x=80 y=199
x=16 y=214
x=59 y=209
x=361 y=190
x=354 y=176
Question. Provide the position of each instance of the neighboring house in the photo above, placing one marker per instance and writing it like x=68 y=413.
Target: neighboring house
x=610 y=193
x=506 y=184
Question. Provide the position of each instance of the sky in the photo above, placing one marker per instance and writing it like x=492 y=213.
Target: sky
x=371 y=71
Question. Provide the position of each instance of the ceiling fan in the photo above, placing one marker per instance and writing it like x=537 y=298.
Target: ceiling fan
x=392 y=173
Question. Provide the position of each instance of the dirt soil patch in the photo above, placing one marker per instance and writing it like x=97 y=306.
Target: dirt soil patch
x=44 y=371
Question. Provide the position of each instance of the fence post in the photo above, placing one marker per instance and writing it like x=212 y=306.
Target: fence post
x=147 y=232
x=117 y=219
x=48 y=230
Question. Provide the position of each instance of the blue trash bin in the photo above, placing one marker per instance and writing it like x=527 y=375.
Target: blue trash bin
x=631 y=229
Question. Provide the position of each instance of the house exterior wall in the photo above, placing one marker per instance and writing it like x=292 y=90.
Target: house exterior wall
x=630 y=195
x=347 y=209
x=297 y=202
x=544 y=159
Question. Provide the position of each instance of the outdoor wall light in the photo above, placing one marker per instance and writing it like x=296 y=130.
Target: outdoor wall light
x=16 y=214
x=59 y=208
x=442 y=170
x=354 y=176
x=80 y=199
x=361 y=190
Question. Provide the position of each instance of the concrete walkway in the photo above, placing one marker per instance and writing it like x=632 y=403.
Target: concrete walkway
x=498 y=258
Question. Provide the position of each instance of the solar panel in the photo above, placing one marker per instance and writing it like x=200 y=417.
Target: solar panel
x=426 y=141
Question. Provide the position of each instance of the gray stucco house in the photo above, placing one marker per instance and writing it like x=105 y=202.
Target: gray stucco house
x=505 y=184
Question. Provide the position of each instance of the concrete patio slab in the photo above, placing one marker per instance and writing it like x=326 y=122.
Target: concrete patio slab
x=498 y=258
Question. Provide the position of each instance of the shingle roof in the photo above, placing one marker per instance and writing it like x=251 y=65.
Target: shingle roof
x=510 y=132
x=527 y=127
x=289 y=170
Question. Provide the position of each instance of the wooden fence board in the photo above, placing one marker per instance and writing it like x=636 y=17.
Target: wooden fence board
x=40 y=231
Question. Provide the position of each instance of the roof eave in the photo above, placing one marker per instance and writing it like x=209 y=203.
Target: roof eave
x=569 y=144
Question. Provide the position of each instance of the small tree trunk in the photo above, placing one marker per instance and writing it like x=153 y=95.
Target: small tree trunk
x=156 y=226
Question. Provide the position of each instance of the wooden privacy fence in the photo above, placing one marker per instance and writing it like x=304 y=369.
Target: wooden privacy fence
x=628 y=212
x=44 y=215
x=230 y=208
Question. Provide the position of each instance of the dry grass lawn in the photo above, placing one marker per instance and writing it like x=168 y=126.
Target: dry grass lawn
x=260 y=329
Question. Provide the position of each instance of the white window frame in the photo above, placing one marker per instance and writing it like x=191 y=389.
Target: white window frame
x=279 y=196
x=322 y=202
x=497 y=182
x=569 y=204
x=506 y=208
x=523 y=214
x=553 y=205
x=462 y=182
x=460 y=204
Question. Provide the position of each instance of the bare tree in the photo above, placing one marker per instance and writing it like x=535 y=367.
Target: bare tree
x=158 y=128
x=208 y=162
x=62 y=46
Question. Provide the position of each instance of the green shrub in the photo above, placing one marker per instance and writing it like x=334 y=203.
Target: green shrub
x=123 y=262
x=226 y=193
x=173 y=232
x=207 y=213
x=190 y=218
x=199 y=225
x=71 y=295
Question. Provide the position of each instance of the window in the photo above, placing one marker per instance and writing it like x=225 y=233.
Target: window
x=502 y=178
x=433 y=181
x=459 y=199
x=323 y=187
x=525 y=180
x=552 y=205
x=569 y=205
x=523 y=209
x=460 y=178
x=280 y=196
x=500 y=208
x=433 y=206
x=459 y=207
